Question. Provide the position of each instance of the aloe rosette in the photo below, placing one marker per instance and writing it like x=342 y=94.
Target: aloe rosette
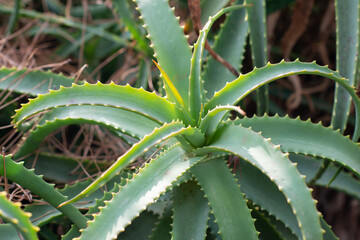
x=192 y=122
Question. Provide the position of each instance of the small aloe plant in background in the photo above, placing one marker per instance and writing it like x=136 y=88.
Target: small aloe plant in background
x=187 y=188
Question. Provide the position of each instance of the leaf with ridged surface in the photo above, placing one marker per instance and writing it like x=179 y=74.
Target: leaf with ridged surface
x=307 y=138
x=227 y=201
x=116 y=119
x=42 y=214
x=264 y=193
x=329 y=234
x=169 y=43
x=230 y=45
x=32 y=82
x=12 y=213
x=347 y=42
x=16 y=172
x=127 y=97
x=191 y=212
x=165 y=132
x=277 y=166
x=143 y=189
x=344 y=182
x=235 y=91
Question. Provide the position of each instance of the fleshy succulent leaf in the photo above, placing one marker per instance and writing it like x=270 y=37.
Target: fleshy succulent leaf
x=12 y=213
x=16 y=172
x=235 y=91
x=150 y=105
x=230 y=209
x=276 y=165
x=191 y=212
x=125 y=205
x=312 y=139
x=169 y=43
x=158 y=135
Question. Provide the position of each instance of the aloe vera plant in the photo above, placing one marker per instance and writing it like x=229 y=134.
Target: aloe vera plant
x=187 y=188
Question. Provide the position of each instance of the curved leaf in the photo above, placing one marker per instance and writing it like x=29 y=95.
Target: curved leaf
x=158 y=135
x=11 y=212
x=142 y=190
x=235 y=91
x=191 y=212
x=263 y=192
x=307 y=138
x=16 y=172
x=117 y=119
x=227 y=201
x=126 y=97
x=276 y=165
x=169 y=43
x=32 y=82
x=344 y=182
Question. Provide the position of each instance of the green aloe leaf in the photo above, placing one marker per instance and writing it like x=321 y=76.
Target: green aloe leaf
x=42 y=214
x=264 y=193
x=16 y=172
x=344 y=182
x=125 y=205
x=191 y=212
x=276 y=165
x=227 y=201
x=126 y=97
x=116 y=119
x=230 y=45
x=32 y=82
x=235 y=91
x=347 y=42
x=169 y=43
x=12 y=213
x=165 y=132
x=307 y=138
